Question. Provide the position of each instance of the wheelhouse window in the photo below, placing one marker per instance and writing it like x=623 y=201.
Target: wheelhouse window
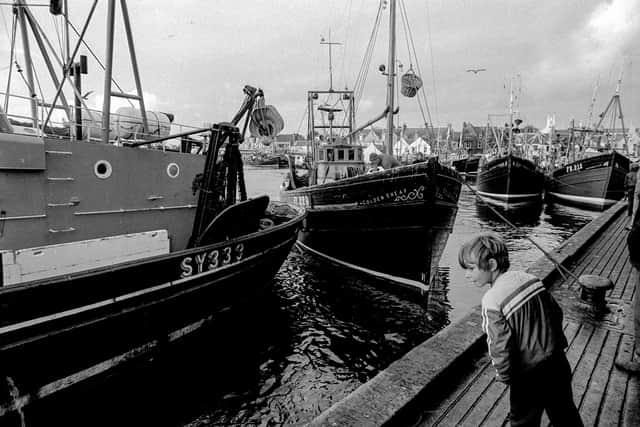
x=352 y=154
x=340 y=154
x=320 y=154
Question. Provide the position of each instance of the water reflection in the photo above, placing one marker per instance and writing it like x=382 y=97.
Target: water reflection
x=521 y=216
x=336 y=330
x=563 y=216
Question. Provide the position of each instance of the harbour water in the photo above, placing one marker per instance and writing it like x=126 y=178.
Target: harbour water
x=315 y=337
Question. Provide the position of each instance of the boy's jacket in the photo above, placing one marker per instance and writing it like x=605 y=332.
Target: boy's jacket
x=523 y=324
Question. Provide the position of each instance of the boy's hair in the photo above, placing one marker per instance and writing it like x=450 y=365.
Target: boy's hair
x=481 y=249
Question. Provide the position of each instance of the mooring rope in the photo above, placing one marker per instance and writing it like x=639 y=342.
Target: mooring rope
x=561 y=269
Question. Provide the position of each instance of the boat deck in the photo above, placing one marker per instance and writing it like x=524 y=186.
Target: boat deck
x=603 y=394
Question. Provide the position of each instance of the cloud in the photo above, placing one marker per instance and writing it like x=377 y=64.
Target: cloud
x=608 y=33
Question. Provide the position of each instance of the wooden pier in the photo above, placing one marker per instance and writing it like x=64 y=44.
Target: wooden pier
x=449 y=380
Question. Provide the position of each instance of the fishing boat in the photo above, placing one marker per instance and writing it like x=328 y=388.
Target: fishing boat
x=74 y=175
x=595 y=182
x=88 y=319
x=269 y=160
x=57 y=332
x=510 y=179
x=471 y=144
x=391 y=223
x=592 y=179
x=468 y=166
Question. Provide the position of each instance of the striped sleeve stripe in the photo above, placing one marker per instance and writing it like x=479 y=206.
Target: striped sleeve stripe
x=536 y=292
x=485 y=328
x=521 y=298
x=514 y=292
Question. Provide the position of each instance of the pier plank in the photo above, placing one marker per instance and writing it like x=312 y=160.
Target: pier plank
x=436 y=412
x=611 y=269
x=583 y=373
x=576 y=349
x=599 y=383
x=466 y=401
x=612 y=403
x=487 y=402
x=499 y=414
x=589 y=263
x=629 y=290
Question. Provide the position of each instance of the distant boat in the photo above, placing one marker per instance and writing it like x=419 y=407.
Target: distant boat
x=468 y=166
x=510 y=179
x=472 y=144
x=271 y=160
x=594 y=181
x=391 y=223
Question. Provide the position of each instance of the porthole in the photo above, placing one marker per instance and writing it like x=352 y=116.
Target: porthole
x=173 y=170
x=102 y=169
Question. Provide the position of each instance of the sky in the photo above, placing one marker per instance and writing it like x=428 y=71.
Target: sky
x=195 y=56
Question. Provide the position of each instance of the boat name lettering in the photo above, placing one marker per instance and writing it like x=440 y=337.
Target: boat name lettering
x=382 y=197
x=573 y=168
x=211 y=260
x=415 y=194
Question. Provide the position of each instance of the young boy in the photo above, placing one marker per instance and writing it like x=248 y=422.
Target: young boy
x=523 y=324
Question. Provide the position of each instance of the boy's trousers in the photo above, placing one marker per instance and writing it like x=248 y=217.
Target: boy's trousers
x=547 y=387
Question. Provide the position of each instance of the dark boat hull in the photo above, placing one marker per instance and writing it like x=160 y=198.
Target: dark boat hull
x=594 y=183
x=467 y=167
x=55 y=333
x=510 y=180
x=274 y=162
x=392 y=224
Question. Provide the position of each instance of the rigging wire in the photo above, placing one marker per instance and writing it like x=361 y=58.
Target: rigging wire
x=561 y=268
x=11 y=55
x=58 y=31
x=433 y=71
x=346 y=38
x=35 y=73
x=306 y=111
x=405 y=20
x=98 y=61
x=4 y=20
x=366 y=62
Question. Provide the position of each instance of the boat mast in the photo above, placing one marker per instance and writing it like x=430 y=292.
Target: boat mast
x=108 y=93
x=28 y=64
x=617 y=112
x=510 y=115
x=586 y=141
x=329 y=43
x=391 y=75
x=108 y=68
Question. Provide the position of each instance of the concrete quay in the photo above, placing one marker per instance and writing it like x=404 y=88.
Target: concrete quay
x=449 y=380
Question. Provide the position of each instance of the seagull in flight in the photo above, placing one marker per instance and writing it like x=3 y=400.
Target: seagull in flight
x=476 y=70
